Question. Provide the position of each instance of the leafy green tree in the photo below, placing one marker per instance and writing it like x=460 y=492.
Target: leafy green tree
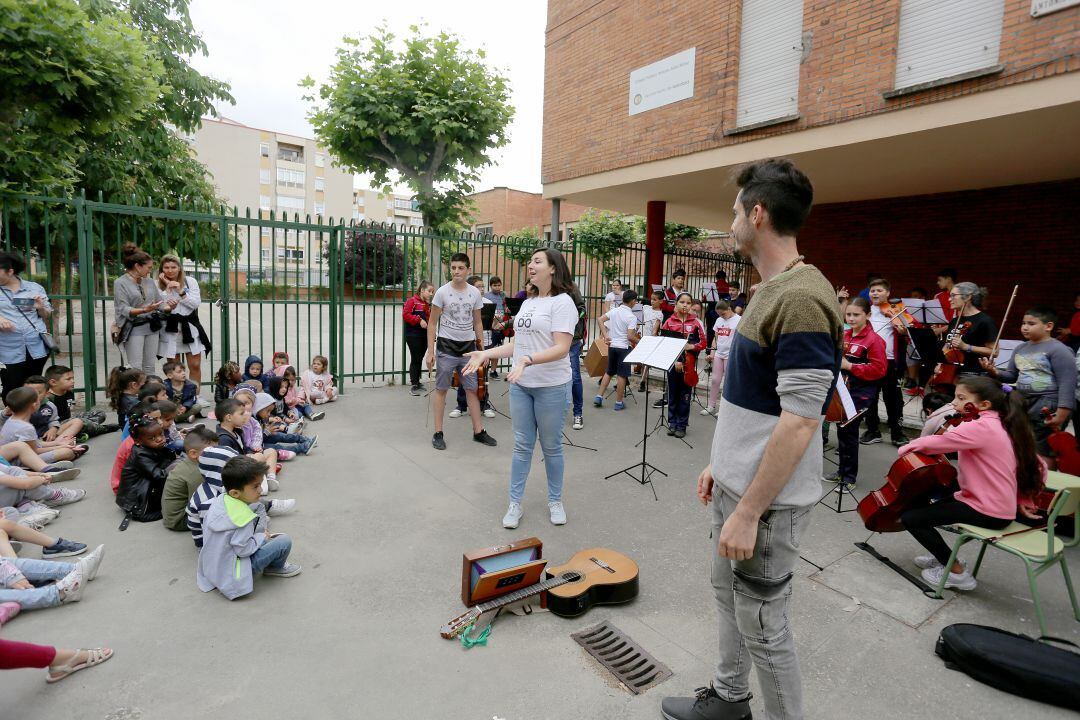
x=430 y=112
x=520 y=244
x=602 y=237
x=675 y=234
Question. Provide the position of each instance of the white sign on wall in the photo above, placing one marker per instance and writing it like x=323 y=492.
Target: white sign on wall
x=663 y=82
x=1044 y=7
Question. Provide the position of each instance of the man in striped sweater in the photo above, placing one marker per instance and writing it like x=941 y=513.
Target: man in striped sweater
x=765 y=469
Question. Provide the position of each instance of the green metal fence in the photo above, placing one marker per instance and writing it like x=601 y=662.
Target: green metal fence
x=271 y=282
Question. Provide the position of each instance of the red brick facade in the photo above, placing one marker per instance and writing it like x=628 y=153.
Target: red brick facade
x=506 y=210
x=1023 y=234
x=592 y=46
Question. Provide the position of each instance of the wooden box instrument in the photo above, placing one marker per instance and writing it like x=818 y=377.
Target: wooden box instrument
x=492 y=572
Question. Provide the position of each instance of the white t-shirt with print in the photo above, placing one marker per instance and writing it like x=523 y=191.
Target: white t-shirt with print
x=725 y=333
x=620 y=321
x=456 y=321
x=534 y=331
x=883 y=326
x=650 y=316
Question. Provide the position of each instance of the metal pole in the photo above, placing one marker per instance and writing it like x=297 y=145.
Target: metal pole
x=555 y=206
x=223 y=259
x=86 y=291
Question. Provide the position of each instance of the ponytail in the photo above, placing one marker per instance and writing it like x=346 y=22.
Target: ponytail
x=1010 y=406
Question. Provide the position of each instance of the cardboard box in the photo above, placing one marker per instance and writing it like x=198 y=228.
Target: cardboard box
x=596 y=359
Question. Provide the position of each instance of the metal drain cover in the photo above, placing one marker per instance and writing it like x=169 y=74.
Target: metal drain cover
x=636 y=669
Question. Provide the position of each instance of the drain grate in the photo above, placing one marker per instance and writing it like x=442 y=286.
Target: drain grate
x=636 y=669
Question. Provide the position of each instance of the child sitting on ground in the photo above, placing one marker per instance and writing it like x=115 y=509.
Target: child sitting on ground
x=318 y=382
x=253 y=370
x=295 y=395
x=225 y=381
x=36 y=584
x=22 y=402
x=240 y=431
x=184 y=479
x=181 y=391
x=142 y=480
x=290 y=418
x=20 y=454
x=280 y=441
x=61 y=381
x=18 y=486
x=46 y=419
x=123 y=391
x=124 y=451
x=236 y=540
x=50 y=547
x=174 y=439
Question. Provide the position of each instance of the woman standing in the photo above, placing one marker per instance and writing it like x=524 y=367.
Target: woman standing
x=183 y=333
x=416 y=312
x=684 y=324
x=137 y=299
x=24 y=307
x=540 y=377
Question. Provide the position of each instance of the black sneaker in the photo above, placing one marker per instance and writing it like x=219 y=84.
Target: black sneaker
x=415 y=390
x=109 y=427
x=680 y=433
x=63 y=548
x=483 y=437
x=670 y=430
x=899 y=439
x=641 y=387
x=706 y=705
x=870 y=438
x=842 y=487
x=834 y=478
x=437 y=441
x=660 y=403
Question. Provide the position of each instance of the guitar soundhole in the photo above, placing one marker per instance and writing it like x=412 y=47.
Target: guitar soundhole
x=571 y=576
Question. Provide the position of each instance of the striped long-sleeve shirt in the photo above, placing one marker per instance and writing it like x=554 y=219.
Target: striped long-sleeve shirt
x=211 y=462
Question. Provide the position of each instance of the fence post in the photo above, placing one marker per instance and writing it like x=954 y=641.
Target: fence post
x=335 y=301
x=223 y=301
x=85 y=244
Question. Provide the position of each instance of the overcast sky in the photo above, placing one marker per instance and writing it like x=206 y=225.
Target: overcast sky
x=263 y=48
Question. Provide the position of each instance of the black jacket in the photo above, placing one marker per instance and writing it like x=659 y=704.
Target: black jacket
x=142 y=481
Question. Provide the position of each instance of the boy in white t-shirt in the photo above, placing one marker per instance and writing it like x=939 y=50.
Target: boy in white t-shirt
x=618 y=328
x=723 y=334
x=454 y=330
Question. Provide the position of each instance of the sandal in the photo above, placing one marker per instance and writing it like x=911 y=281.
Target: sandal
x=94 y=656
x=81 y=450
x=9 y=610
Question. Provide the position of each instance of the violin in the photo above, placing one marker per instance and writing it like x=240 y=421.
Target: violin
x=910 y=478
x=1066 y=451
x=481 y=379
x=954 y=357
x=690 y=373
x=894 y=308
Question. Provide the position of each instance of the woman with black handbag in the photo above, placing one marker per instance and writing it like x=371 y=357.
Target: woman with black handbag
x=25 y=343
x=138 y=303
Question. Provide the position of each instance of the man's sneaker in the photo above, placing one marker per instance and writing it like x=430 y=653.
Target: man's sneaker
x=956 y=581
x=285 y=455
x=489 y=413
x=870 y=438
x=287 y=570
x=710 y=410
x=455 y=413
x=71 y=586
x=483 y=437
x=64 y=496
x=63 y=548
x=557 y=512
x=415 y=390
x=88 y=564
x=437 y=441
x=926 y=561
x=281 y=507
x=512 y=516
x=660 y=403
x=598 y=401
x=61 y=475
x=620 y=405
x=579 y=422
x=705 y=705
x=318 y=415
x=57 y=466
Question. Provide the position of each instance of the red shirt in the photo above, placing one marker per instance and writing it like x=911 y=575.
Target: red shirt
x=865 y=351
x=1074 y=324
x=670 y=296
x=946 y=309
x=414 y=311
x=690 y=328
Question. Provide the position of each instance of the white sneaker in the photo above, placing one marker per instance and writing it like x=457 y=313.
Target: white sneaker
x=64 y=496
x=489 y=413
x=926 y=561
x=89 y=563
x=455 y=413
x=281 y=507
x=71 y=586
x=272 y=483
x=956 y=581
x=579 y=422
x=558 y=513
x=512 y=516
x=65 y=474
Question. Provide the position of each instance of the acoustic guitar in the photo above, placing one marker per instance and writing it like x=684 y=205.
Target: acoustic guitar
x=596 y=576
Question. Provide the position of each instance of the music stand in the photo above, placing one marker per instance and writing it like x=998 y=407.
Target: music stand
x=660 y=353
x=849 y=414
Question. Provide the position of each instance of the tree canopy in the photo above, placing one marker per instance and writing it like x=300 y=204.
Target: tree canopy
x=430 y=111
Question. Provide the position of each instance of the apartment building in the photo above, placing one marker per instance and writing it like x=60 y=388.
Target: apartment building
x=501 y=210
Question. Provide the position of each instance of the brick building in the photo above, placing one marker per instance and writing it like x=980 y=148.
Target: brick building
x=502 y=210
x=936 y=134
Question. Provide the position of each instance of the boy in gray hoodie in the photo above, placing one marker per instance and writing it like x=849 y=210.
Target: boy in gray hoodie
x=236 y=544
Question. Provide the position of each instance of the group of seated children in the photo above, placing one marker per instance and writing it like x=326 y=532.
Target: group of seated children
x=40 y=439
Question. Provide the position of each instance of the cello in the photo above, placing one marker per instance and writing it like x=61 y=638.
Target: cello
x=911 y=477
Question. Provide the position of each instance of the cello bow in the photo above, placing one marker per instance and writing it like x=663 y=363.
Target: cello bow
x=1001 y=328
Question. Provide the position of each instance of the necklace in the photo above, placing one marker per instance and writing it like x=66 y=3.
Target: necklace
x=793 y=263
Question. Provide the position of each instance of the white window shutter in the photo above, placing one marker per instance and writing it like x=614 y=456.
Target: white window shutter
x=770 y=51
x=943 y=38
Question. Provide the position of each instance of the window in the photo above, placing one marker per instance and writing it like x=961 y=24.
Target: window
x=264 y=232
x=320 y=160
x=290 y=153
x=941 y=40
x=290 y=203
x=320 y=183
x=290 y=254
x=320 y=208
x=264 y=202
x=290 y=178
x=770 y=51
x=483 y=230
x=264 y=176
x=360 y=201
x=264 y=255
x=357 y=215
x=405 y=204
x=264 y=149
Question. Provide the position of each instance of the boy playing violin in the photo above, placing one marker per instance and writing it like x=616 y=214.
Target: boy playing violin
x=891 y=328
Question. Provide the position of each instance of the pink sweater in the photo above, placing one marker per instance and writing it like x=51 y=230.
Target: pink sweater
x=987 y=464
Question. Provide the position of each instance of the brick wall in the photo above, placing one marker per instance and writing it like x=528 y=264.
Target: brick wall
x=592 y=46
x=1026 y=234
x=506 y=210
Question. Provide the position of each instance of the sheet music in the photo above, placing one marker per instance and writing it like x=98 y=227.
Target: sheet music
x=845 y=396
x=708 y=289
x=1006 y=348
x=933 y=312
x=658 y=352
x=658 y=288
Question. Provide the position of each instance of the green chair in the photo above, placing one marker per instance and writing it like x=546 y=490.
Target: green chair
x=1039 y=548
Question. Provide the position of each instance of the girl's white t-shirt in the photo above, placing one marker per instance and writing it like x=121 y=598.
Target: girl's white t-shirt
x=725 y=333
x=534 y=331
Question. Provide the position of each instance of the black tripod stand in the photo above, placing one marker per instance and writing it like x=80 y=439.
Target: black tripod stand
x=647 y=468
x=661 y=420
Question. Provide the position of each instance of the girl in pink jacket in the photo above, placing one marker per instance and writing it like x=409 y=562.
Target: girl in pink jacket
x=998 y=470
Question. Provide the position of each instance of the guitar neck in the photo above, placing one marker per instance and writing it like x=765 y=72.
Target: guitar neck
x=521 y=594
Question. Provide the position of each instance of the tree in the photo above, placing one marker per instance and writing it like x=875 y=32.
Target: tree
x=429 y=112
x=602 y=237
x=675 y=234
x=519 y=245
x=372 y=258
x=66 y=82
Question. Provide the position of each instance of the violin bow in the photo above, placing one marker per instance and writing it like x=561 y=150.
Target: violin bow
x=1001 y=328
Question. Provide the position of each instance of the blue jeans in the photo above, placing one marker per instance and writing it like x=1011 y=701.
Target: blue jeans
x=273 y=554
x=678 y=400
x=38 y=572
x=286 y=441
x=305 y=410
x=575 y=383
x=538 y=410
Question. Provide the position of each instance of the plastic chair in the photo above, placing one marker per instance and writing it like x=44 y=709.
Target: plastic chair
x=1039 y=548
